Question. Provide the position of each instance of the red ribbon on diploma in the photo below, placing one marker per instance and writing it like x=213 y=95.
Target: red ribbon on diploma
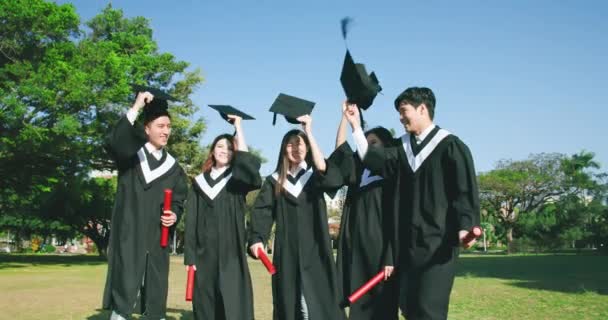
x=474 y=233
x=190 y=283
x=366 y=287
x=269 y=266
x=164 y=234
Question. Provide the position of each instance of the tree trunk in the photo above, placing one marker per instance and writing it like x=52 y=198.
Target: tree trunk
x=18 y=241
x=101 y=241
x=509 y=239
x=103 y=253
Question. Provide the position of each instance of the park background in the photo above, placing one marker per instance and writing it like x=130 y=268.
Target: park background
x=522 y=83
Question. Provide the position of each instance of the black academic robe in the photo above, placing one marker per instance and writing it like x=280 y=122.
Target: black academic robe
x=366 y=235
x=302 y=252
x=436 y=196
x=134 y=251
x=216 y=240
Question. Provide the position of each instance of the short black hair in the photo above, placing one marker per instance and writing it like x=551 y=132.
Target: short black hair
x=155 y=109
x=417 y=96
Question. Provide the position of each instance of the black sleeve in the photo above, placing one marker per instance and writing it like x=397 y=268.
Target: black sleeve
x=124 y=140
x=387 y=256
x=329 y=181
x=180 y=193
x=262 y=216
x=383 y=161
x=344 y=159
x=390 y=222
x=246 y=171
x=191 y=216
x=462 y=184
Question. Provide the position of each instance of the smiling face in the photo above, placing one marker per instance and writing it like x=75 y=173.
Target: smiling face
x=296 y=150
x=158 y=131
x=413 y=119
x=222 y=153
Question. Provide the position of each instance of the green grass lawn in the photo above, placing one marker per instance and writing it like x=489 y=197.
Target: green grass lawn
x=487 y=287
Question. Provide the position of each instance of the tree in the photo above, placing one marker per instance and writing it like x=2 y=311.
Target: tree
x=598 y=226
x=585 y=204
x=62 y=87
x=517 y=187
x=85 y=205
x=31 y=31
x=541 y=189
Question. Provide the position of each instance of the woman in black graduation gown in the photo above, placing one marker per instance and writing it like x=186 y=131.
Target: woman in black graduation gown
x=305 y=285
x=366 y=229
x=215 y=230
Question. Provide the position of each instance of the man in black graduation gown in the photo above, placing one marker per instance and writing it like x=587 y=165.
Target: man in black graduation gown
x=138 y=267
x=436 y=201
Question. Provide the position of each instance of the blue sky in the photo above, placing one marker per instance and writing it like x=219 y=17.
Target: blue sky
x=511 y=77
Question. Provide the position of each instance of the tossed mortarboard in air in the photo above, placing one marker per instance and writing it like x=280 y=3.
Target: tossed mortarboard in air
x=291 y=107
x=360 y=87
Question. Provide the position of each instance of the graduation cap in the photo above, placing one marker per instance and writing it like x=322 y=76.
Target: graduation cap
x=158 y=107
x=157 y=93
x=155 y=109
x=291 y=107
x=226 y=110
x=360 y=87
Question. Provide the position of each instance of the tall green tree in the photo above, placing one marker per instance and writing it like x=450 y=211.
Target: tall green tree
x=84 y=205
x=542 y=196
x=62 y=85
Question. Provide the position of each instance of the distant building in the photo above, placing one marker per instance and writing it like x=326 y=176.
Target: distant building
x=103 y=174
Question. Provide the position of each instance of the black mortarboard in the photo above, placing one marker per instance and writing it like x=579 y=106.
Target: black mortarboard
x=226 y=110
x=360 y=87
x=158 y=107
x=155 y=109
x=290 y=107
x=157 y=93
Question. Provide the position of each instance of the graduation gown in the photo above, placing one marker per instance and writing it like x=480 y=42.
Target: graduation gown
x=134 y=249
x=302 y=250
x=435 y=197
x=216 y=240
x=364 y=245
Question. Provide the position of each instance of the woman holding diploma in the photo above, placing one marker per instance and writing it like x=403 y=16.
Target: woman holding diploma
x=305 y=285
x=367 y=230
x=215 y=229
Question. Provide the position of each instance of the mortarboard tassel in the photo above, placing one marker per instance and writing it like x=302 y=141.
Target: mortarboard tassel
x=345 y=23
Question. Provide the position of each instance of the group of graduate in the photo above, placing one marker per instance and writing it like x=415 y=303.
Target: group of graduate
x=409 y=206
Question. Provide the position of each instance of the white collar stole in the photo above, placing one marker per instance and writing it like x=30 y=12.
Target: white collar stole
x=210 y=191
x=415 y=161
x=367 y=178
x=295 y=189
x=151 y=175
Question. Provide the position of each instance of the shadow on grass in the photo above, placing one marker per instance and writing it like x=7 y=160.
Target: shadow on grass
x=183 y=315
x=563 y=273
x=22 y=260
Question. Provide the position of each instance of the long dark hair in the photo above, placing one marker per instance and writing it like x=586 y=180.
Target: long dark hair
x=210 y=162
x=283 y=162
x=383 y=134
